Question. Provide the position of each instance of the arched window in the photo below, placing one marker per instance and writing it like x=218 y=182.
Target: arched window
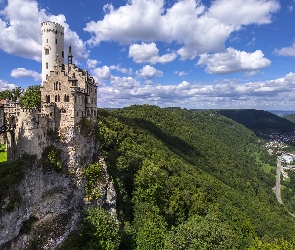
x=59 y=85
x=58 y=98
x=55 y=98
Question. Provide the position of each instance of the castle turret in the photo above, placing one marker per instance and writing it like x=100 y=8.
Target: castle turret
x=52 y=46
x=70 y=56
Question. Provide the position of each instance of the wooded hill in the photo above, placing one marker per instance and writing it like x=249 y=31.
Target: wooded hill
x=259 y=121
x=291 y=117
x=188 y=180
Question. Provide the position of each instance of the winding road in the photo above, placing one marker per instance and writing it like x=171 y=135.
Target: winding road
x=278 y=181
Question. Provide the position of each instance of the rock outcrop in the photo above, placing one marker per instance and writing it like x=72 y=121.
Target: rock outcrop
x=53 y=203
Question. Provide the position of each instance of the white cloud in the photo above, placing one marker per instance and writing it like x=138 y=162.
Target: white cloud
x=92 y=63
x=149 y=72
x=20 y=30
x=124 y=82
x=232 y=60
x=25 y=73
x=142 y=53
x=120 y=69
x=287 y=51
x=5 y=85
x=251 y=73
x=228 y=93
x=103 y=73
x=181 y=73
x=193 y=26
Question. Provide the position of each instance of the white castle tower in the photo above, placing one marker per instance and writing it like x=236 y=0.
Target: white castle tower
x=52 y=46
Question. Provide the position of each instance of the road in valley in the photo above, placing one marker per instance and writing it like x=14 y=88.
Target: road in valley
x=278 y=181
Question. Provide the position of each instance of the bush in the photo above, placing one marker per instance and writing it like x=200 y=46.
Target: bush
x=51 y=158
x=93 y=173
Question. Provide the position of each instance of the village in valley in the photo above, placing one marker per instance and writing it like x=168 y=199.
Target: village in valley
x=279 y=144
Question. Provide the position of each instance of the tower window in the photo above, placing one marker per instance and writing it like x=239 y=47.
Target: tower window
x=46 y=51
x=47 y=40
x=46 y=65
x=62 y=54
x=55 y=41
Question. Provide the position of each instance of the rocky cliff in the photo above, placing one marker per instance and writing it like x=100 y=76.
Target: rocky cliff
x=53 y=202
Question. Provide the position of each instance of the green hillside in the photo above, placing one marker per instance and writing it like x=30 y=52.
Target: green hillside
x=187 y=180
x=259 y=120
x=291 y=117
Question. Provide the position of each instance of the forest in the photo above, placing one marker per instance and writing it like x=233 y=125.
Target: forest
x=184 y=180
x=259 y=121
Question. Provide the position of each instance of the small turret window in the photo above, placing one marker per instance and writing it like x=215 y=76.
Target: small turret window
x=47 y=65
x=46 y=51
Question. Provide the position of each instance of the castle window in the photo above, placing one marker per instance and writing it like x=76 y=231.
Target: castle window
x=46 y=76
x=47 y=65
x=47 y=40
x=59 y=85
x=62 y=54
x=58 y=98
x=46 y=51
x=82 y=113
x=77 y=113
x=55 y=41
x=55 y=98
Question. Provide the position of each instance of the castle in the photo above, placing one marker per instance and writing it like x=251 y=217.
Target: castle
x=68 y=94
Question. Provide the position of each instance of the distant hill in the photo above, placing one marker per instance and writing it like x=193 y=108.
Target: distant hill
x=259 y=120
x=291 y=117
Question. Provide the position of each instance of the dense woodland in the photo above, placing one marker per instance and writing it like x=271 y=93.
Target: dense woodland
x=184 y=180
x=290 y=117
x=259 y=121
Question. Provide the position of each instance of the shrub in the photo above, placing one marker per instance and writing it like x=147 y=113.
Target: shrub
x=51 y=158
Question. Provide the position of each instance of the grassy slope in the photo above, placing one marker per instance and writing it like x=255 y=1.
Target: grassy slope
x=3 y=153
x=204 y=157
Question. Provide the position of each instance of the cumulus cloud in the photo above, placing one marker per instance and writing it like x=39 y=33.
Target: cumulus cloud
x=181 y=73
x=120 y=69
x=25 y=73
x=5 y=85
x=151 y=21
x=20 y=30
x=287 y=51
x=92 y=63
x=149 y=72
x=143 y=53
x=220 y=94
x=232 y=60
x=103 y=73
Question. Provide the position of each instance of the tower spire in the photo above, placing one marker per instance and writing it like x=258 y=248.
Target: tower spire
x=70 y=56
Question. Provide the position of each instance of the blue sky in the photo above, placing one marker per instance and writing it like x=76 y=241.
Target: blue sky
x=189 y=53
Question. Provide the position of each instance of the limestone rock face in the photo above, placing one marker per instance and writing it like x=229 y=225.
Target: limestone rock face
x=53 y=203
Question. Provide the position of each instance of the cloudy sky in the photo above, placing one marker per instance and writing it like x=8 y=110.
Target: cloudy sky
x=186 y=53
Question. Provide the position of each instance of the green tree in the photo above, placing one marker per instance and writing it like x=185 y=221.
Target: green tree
x=100 y=230
x=31 y=97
